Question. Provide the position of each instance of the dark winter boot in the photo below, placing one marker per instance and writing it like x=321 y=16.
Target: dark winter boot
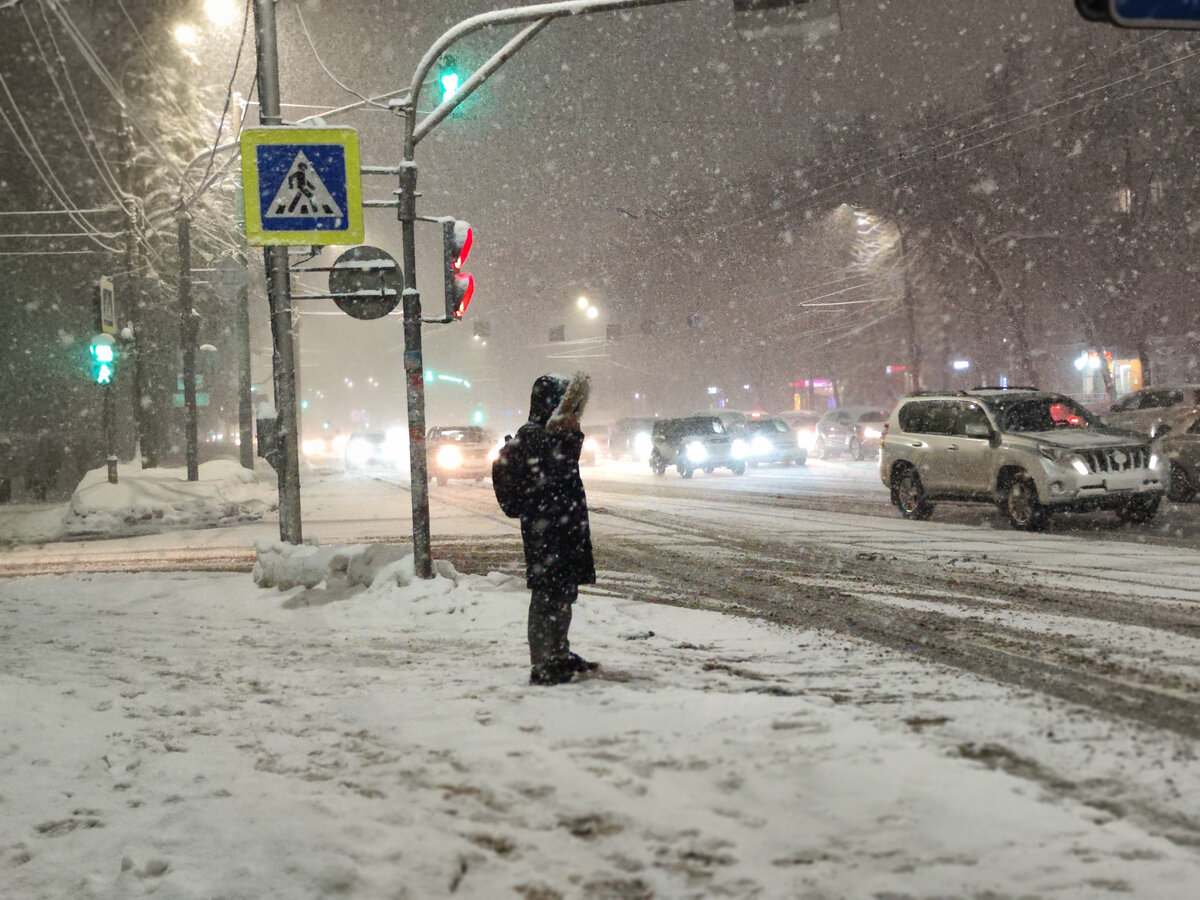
x=577 y=663
x=546 y=675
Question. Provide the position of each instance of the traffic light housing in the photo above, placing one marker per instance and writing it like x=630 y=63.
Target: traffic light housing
x=103 y=351
x=460 y=286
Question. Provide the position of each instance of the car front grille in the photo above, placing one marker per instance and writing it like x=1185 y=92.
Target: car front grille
x=1116 y=459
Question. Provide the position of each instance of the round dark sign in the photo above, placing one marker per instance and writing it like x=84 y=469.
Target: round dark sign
x=369 y=282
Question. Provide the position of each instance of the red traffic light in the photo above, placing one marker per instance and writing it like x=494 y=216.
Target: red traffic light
x=457 y=238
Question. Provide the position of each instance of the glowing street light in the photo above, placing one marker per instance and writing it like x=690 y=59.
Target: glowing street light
x=592 y=312
x=186 y=35
x=582 y=303
x=221 y=12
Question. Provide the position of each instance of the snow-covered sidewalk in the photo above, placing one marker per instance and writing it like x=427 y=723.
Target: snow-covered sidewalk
x=146 y=501
x=197 y=736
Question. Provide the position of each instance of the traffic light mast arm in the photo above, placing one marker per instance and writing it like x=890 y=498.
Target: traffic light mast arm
x=539 y=16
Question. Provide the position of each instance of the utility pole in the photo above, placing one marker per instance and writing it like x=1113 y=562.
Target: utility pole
x=132 y=295
x=245 y=405
x=910 y=317
x=275 y=260
x=187 y=338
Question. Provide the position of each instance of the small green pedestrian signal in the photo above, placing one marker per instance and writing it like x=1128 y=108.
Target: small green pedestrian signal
x=449 y=82
x=104 y=358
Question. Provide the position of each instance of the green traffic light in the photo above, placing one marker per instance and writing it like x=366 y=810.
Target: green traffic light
x=104 y=359
x=450 y=83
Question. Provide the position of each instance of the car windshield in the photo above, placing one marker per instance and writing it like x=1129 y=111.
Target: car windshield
x=1041 y=414
x=469 y=434
x=703 y=426
x=875 y=415
x=767 y=425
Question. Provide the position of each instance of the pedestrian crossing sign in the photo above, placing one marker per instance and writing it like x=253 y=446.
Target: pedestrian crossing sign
x=302 y=186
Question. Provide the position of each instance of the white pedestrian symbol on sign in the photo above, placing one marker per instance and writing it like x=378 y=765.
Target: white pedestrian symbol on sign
x=302 y=193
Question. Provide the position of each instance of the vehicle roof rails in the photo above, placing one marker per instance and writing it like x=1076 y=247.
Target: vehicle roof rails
x=1005 y=387
x=936 y=393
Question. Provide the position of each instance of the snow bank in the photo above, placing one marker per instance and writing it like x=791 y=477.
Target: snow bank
x=381 y=568
x=149 y=500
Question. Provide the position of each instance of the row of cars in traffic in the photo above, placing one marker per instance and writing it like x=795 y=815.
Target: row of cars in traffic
x=735 y=440
x=451 y=451
x=1034 y=453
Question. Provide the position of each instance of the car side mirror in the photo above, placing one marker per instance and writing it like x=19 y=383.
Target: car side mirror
x=977 y=430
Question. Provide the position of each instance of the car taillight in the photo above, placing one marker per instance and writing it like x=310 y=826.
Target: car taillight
x=883 y=433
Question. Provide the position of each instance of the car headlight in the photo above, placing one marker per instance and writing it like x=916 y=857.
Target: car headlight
x=642 y=445
x=760 y=445
x=1063 y=457
x=738 y=449
x=696 y=452
x=449 y=456
x=313 y=447
x=494 y=453
x=590 y=445
x=872 y=434
x=1155 y=461
x=357 y=453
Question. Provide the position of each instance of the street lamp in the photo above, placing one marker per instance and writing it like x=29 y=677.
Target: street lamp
x=221 y=12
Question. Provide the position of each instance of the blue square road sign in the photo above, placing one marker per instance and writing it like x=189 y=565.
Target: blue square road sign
x=302 y=186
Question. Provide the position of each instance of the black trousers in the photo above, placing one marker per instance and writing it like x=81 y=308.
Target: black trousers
x=549 y=622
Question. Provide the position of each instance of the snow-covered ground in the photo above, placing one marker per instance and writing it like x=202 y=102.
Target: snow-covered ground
x=352 y=732
x=197 y=736
x=146 y=501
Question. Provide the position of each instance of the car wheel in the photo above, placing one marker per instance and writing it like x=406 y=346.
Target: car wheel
x=1182 y=490
x=910 y=498
x=738 y=468
x=708 y=470
x=685 y=471
x=819 y=449
x=1140 y=510
x=442 y=481
x=658 y=469
x=1025 y=511
x=856 y=450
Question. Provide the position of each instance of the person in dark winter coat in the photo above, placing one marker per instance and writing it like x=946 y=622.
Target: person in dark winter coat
x=554 y=525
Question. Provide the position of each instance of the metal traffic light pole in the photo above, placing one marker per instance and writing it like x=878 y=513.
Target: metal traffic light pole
x=538 y=16
x=279 y=295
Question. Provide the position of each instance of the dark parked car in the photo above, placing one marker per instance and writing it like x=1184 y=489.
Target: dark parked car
x=697 y=442
x=630 y=439
x=769 y=440
x=855 y=430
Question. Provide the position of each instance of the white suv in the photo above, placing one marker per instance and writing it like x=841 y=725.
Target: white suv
x=1028 y=451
